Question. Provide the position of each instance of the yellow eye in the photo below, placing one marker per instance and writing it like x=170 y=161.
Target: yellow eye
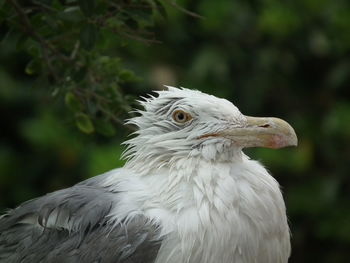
x=181 y=116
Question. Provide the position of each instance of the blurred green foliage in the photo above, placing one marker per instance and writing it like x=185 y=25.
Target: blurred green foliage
x=289 y=59
x=72 y=51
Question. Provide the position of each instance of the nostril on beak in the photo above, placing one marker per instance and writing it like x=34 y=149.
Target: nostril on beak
x=265 y=126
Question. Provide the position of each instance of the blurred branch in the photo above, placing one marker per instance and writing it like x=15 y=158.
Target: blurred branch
x=113 y=117
x=139 y=38
x=69 y=43
x=44 y=6
x=87 y=93
x=182 y=9
x=75 y=50
x=45 y=46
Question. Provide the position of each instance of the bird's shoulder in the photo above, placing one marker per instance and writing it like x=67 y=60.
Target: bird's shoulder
x=74 y=224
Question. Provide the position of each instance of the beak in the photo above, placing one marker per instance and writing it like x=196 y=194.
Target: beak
x=262 y=132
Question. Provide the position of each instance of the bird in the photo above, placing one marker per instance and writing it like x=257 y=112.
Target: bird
x=187 y=194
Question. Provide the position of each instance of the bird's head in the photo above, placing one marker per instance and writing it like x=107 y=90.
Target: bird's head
x=183 y=123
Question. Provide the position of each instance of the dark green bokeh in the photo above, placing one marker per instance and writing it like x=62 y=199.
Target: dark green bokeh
x=288 y=59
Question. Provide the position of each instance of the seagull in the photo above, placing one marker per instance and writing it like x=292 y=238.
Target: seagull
x=187 y=194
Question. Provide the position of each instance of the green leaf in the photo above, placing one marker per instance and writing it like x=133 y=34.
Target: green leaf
x=73 y=103
x=33 y=67
x=87 y=7
x=127 y=75
x=88 y=36
x=69 y=15
x=84 y=123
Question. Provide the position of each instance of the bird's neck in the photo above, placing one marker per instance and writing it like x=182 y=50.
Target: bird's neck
x=214 y=152
x=195 y=182
x=185 y=181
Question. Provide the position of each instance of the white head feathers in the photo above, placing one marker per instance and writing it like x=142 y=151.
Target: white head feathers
x=162 y=138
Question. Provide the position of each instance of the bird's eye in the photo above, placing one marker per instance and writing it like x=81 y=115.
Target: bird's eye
x=181 y=116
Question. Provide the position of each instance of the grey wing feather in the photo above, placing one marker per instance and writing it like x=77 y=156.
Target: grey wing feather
x=71 y=225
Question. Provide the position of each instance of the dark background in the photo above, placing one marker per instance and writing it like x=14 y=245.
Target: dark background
x=288 y=59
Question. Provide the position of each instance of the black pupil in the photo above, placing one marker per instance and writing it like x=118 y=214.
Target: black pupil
x=181 y=116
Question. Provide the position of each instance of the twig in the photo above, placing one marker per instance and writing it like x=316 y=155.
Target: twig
x=47 y=7
x=94 y=94
x=188 y=12
x=138 y=38
x=115 y=119
x=75 y=50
